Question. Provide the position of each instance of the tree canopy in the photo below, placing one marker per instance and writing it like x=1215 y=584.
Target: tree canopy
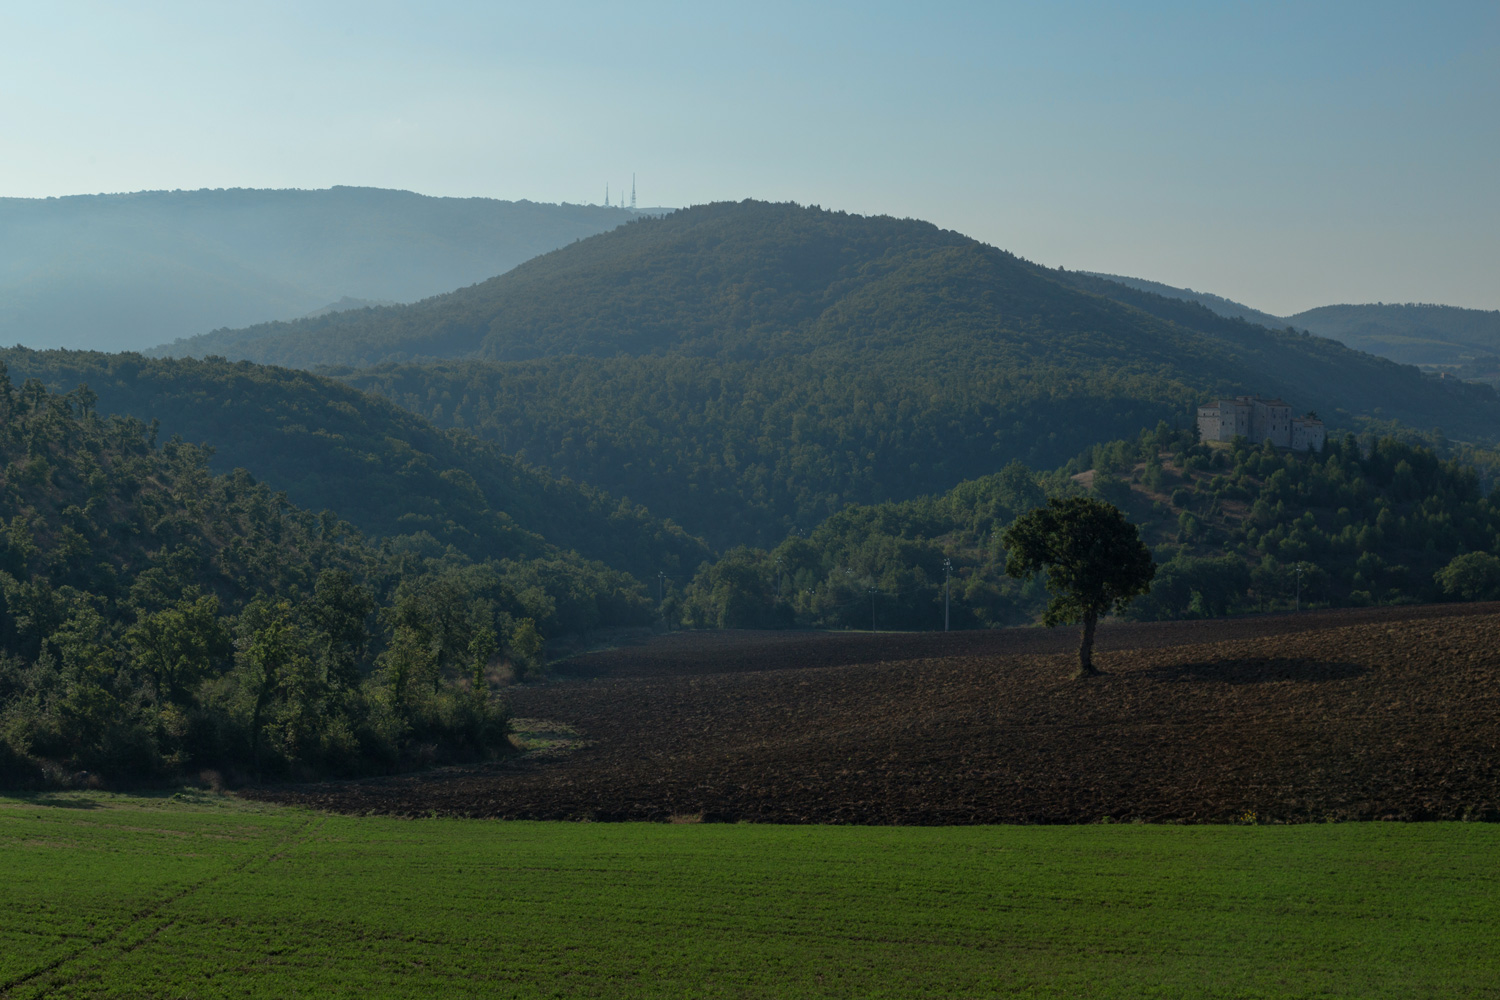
x=157 y=619
x=1094 y=561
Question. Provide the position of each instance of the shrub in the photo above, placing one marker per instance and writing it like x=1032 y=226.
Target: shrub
x=1473 y=576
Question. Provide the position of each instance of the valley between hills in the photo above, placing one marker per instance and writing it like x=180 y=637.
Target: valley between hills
x=356 y=543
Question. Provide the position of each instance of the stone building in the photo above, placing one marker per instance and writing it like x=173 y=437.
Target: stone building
x=1258 y=420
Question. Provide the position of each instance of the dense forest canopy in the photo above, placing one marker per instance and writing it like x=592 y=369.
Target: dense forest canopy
x=1235 y=528
x=383 y=469
x=128 y=271
x=745 y=452
x=156 y=619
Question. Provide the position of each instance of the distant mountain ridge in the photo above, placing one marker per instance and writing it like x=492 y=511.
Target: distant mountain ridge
x=131 y=271
x=1412 y=333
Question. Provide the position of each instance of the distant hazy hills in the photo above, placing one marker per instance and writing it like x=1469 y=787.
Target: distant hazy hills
x=129 y=271
x=748 y=368
x=1416 y=334
x=1214 y=303
x=1413 y=334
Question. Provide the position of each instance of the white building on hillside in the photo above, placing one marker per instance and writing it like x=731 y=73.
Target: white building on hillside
x=1258 y=420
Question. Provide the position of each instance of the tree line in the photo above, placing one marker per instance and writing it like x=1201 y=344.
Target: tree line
x=1234 y=529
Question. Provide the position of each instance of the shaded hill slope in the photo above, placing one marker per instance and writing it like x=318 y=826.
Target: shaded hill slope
x=127 y=271
x=745 y=452
x=386 y=470
x=1216 y=304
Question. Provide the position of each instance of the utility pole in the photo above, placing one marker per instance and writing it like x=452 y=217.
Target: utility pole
x=1299 y=586
x=872 y=609
x=780 y=577
x=947 y=574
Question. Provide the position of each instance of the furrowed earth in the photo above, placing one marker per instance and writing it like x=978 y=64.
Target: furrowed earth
x=1389 y=713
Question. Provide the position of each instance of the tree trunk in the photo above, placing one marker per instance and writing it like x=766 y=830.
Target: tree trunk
x=1086 y=666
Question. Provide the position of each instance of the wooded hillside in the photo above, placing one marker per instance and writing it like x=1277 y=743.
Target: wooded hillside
x=387 y=471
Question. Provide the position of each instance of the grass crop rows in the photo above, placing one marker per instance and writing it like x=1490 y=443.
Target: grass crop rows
x=206 y=896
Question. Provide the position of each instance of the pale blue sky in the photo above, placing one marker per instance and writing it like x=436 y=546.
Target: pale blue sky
x=1287 y=155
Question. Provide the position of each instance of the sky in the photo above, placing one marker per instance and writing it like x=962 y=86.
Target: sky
x=1283 y=155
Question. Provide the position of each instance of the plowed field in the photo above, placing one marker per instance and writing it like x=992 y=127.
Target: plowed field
x=1378 y=714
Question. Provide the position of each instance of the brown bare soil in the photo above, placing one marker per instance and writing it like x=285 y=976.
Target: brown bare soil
x=1389 y=713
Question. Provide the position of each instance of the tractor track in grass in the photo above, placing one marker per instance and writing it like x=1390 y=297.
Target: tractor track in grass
x=143 y=926
x=1387 y=713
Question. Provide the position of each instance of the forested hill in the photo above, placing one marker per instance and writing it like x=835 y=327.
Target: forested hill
x=128 y=271
x=750 y=368
x=387 y=471
x=754 y=281
x=760 y=282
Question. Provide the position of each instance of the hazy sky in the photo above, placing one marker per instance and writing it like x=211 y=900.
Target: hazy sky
x=1286 y=155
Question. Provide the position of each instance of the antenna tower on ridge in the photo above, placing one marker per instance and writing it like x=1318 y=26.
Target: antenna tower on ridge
x=606 y=194
x=632 y=191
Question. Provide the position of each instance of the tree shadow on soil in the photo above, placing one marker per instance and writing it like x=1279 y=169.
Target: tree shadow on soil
x=1258 y=670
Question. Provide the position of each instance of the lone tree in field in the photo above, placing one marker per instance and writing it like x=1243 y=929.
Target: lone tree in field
x=1094 y=558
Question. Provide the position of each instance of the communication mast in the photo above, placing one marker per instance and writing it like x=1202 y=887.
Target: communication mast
x=632 y=191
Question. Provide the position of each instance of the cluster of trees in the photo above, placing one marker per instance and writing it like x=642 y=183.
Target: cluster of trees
x=1233 y=529
x=1244 y=527
x=881 y=566
x=156 y=618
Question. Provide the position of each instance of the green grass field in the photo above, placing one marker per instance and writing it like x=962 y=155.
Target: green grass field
x=202 y=895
